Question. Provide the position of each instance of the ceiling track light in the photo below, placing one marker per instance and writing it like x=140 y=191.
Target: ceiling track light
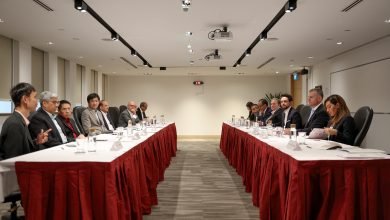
x=80 y=5
x=146 y=63
x=114 y=36
x=133 y=53
x=248 y=52
x=290 y=6
x=185 y=4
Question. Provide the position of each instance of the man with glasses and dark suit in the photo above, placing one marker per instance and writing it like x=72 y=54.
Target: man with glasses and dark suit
x=44 y=119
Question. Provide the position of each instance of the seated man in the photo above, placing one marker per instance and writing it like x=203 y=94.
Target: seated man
x=44 y=119
x=290 y=115
x=141 y=111
x=264 y=110
x=276 y=114
x=92 y=118
x=318 y=117
x=15 y=138
x=67 y=124
x=129 y=114
x=108 y=123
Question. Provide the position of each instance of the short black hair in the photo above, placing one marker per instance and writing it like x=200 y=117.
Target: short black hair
x=20 y=90
x=62 y=102
x=288 y=96
x=92 y=96
x=263 y=102
x=249 y=104
x=143 y=104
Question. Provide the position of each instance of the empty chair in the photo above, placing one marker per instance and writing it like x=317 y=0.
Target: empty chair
x=122 y=108
x=363 y=118
x=299 y=107
x=114 y=115
x=305 y=113
x=13 y=198
x=77 y=111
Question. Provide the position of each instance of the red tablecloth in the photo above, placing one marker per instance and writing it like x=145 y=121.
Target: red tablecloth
x=122 y=189
x=284 y=188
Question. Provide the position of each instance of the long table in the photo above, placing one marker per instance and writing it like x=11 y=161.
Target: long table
x=307 y=184
x=58 y=183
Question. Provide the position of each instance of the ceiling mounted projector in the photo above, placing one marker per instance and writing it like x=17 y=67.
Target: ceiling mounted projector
x=221 y=35
x=213 y=56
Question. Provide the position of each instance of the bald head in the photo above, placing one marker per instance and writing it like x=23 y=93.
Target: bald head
x=132 y=106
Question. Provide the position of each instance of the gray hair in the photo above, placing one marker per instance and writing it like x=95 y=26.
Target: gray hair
x=46 y=95
x=277 y=100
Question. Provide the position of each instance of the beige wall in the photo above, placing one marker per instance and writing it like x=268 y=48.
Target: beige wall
x=361 y=76
x=197 y=110
x=5 y=66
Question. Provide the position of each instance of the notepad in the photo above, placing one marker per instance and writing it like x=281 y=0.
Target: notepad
x=357 y=150
x=317 y=133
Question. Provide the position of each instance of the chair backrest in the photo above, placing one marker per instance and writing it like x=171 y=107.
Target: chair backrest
x=114 y=115
x=122 y=108
x=305 y=114
x=77 y=111
x=363 y=118
x=299 y=107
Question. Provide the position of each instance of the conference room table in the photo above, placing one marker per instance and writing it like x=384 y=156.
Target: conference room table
x=115 y=179
x=306 y=181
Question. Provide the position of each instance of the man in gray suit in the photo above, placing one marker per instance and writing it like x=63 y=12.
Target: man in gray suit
x=92 y=118
x=15 y=138
x=129 y=114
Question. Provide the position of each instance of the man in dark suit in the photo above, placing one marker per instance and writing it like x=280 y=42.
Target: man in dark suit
x=276 y=115
x=290 y=115
x=108 y=123
x=67 y=124
x=44 y=119
x=264 y=110
x=141 y=110
x=318 y=117
x=15 y=138
x=129 y=115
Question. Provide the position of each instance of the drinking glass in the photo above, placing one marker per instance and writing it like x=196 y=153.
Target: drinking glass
x=302 y=137
x=162 y=119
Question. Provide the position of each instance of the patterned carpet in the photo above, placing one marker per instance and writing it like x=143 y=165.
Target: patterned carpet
x=200 y=184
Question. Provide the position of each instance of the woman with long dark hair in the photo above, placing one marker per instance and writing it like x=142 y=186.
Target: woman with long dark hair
x=341 y=126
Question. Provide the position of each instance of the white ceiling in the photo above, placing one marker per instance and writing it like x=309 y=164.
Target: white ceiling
x=156 y=29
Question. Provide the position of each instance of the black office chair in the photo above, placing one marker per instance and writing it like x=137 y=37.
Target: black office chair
x=114 y=115
x=363 y=119
x=77 y=111
x=305 y=114
x=299 y=107
x=12 y=198
x=122 y=108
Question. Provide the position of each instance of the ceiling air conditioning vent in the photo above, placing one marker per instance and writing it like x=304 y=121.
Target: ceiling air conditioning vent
x=353 y=4
x=43 y=5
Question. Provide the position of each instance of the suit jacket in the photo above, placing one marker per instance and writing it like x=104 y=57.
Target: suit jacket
x=293 y=118
x=89 y=120
x=109 y=121
x=41 y=120
x=252 y=116
x=319 y=119
x=346 y=131
x=15 y=138
x=124 y=118
x=265 y=115
x=66 y=128
x=140 y=113
x=276 y=118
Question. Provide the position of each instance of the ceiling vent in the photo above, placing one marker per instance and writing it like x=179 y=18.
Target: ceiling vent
x=128 y=62
x=43 y=5
x=266 y=62
x=353 y=4
x=213 y=56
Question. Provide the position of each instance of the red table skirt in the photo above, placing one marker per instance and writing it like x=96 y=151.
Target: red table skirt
x=284 y=188
x=122 y=189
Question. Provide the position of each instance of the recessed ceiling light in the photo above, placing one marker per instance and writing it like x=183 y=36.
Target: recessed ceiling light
x=277 y=72
x=339 y=43
x=310 y=57
x=190 y=50
x=386 y=21
x=50 y=43
x=192 y=62
x=1 y=20
x=189 y=46
x=81 y=57
x=291 y=65
x=188 y=33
